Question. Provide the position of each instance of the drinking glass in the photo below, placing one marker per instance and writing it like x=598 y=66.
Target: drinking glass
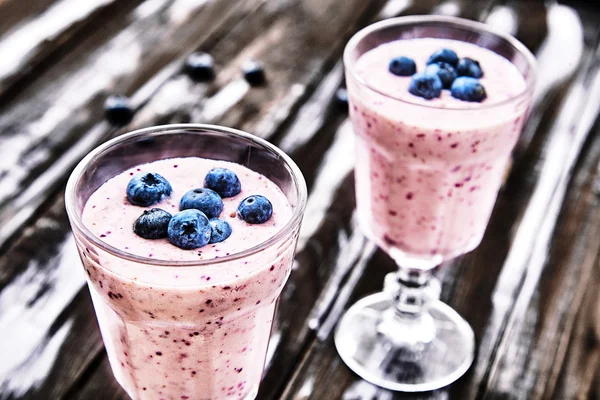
x=214 y=345
x=423 y=206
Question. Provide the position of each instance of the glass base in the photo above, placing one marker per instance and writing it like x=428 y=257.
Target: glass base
x=388 y=353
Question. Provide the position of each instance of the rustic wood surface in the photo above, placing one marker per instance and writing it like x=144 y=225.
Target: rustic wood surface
x=530 y=290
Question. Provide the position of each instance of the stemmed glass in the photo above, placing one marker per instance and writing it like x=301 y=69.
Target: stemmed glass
x=423 y=209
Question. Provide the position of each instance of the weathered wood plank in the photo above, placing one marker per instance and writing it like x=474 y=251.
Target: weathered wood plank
x=13 y=13
x=36 y=307
x=28 y=44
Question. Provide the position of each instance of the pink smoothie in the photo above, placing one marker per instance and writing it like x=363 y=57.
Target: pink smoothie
x=186 y=332
x=428 y=171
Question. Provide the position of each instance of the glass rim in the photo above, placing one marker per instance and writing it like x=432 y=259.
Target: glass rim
x=76 y=175
x=448 y=21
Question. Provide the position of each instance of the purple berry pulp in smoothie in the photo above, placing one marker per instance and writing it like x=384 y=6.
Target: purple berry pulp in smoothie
x=428 y=171
x=186 y=332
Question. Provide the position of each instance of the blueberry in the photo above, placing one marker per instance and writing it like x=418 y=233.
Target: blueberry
x=426 y=86
x=189 y=229
x=469 y=67
x=341 y=98
x=223 y=181
x=147 y=188
x=254 y=73
x=443 y=55
x=468 y=89
x=200 y=66
x=402 y=66
x=152 y=224
x=118 y=110
x=255 y=209
x=220 y=230
x=206 y=200
x=445 y=71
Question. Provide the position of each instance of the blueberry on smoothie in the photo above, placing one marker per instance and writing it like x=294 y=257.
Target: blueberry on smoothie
x=189 y=229
x=223 y=181
x=152 y=224
x=220 y=230
x=255 y=209
x=148 y=188
x=202 y=199
x=200 y=66
x=469 y=67
x=468 y=89
x=402 y=66
x=118 y=110
x=443 y=55
x=425 y=85
x=445 y=71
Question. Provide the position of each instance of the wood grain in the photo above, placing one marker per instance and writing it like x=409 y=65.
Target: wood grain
x=529 y=291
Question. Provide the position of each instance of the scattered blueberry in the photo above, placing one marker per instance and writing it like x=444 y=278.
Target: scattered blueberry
x=469 y=67
x=206 y=200
x=402 y=66
x=223 y=181
x=152 y=224
x=443 y=55
x=468 y=89
x=118 y=110
x=146 y=189
x=445 y=71
x=200 y=66
x=220 y=230
x=254 y=73
x=255 y=209
x=189 y=229
x=426 y=86
x=341 y=97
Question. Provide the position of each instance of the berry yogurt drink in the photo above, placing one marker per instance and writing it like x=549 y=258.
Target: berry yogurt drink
x=435 y=125
x=185 y=280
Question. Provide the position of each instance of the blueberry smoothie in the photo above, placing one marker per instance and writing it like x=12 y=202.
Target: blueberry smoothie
x=186 y=332
x=435 y=126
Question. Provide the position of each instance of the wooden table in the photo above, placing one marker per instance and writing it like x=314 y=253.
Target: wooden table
x=530 y=291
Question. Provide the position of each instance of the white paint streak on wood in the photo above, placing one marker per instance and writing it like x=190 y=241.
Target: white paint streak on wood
x=148 y=8
x=33 y=372
x=350 y=251
x=279 y=112
x=450 y=8
x=394 y=7
x=503 y=18
x=182 y=10
x=559 y=55
x=220 y=103
x=311 y=115
x=61 y=277
x=337 y=163
x=274 y=341
x=18 y=46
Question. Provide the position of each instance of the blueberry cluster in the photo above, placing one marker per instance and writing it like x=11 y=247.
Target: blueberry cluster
x=197 y=224
x=444 y=70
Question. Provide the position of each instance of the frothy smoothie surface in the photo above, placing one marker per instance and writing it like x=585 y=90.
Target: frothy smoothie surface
x=110 y=216
x=501 y=78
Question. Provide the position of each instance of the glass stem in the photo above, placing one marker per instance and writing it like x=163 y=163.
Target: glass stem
x=407 y=322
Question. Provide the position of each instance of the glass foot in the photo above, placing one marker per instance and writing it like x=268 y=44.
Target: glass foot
x=364 y=341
